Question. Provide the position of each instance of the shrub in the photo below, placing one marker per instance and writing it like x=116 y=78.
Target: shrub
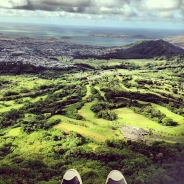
x=10 y=93
x=169 y=122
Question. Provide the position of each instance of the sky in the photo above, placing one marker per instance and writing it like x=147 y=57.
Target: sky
x=167 y=14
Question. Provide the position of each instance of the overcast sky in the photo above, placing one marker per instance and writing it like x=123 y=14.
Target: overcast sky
x=121 y=13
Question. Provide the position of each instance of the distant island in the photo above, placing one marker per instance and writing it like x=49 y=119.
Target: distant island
x=139 y=36
x=176 y=40
x=66 y=37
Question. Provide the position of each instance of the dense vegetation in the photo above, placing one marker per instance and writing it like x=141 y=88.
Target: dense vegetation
x=56 y=151
x=52 y=121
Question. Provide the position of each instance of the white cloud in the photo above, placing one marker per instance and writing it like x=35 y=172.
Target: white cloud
x=159 y=10
x=165 y=14
x=163 y=4
x=12 y=3
x=96 y=9
x=109 y=3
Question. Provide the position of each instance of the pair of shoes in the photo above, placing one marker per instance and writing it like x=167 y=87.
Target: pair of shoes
x=73 y=177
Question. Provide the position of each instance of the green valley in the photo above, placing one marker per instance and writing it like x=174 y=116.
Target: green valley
x=59 y=119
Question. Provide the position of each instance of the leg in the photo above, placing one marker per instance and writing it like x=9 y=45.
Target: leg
x=115 y=177
x=71 y=176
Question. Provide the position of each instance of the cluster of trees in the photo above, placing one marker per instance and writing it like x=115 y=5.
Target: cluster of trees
x=129 y=66
x=83 y=124
x=19 y=68
x=176 y=105
x=4 y=82
x=154 y=114
x=144 y=81
x=10 y=93
x=5 y=149
x=95 y=93
x=38 y=124
x=102 y=110
x=71 y=111
x=147 y=97
x=158 y=162
x=13 y=95
x=177 y=108
x=58 y=102
x=10 y=118
x=123 y=65
x=107 y=114
x=15 y=118
x=61 y=99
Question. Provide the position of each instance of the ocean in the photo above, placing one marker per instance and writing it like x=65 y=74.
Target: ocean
x=81 y=35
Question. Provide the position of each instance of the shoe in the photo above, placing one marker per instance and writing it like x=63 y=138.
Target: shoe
x=71 y=176
x=115 y=177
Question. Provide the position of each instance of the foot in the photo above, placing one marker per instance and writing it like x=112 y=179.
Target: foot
x=71 y=177
x=115 y=177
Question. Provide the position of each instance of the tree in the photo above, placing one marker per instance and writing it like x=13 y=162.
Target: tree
x=169 y=122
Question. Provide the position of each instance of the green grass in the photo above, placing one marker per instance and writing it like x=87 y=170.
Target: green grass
x=86 y=112
x=29 y=117
x=93 y=146
x=98 y=63
x=14 y=132
x=33 y=100
x=10 y=105
x=23 y=82
x=89 y=115
x=32 y=145
x=89 y=132
x=129 y=117
x=88 y=93
x=179 y=119
x=101 y=92
x=102 y=129
x=101 y=133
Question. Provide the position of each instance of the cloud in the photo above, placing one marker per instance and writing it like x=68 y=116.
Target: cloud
x=159 y=9
x=109 y=3
x=66 y=5
x=165 y=14
x=93 y=7
x=163 y=4
x=12 y=4
x=47 y=5
x=15 y=13
x=182 y=9
x=120 y=9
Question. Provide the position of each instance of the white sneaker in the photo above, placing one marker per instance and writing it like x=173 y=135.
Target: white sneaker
x=115 y=177
x=71 y=176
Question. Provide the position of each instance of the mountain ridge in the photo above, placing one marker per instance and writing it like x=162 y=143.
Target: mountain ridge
x=147 y=49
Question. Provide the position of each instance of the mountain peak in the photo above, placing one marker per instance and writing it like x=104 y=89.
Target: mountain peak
x=150 y=49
